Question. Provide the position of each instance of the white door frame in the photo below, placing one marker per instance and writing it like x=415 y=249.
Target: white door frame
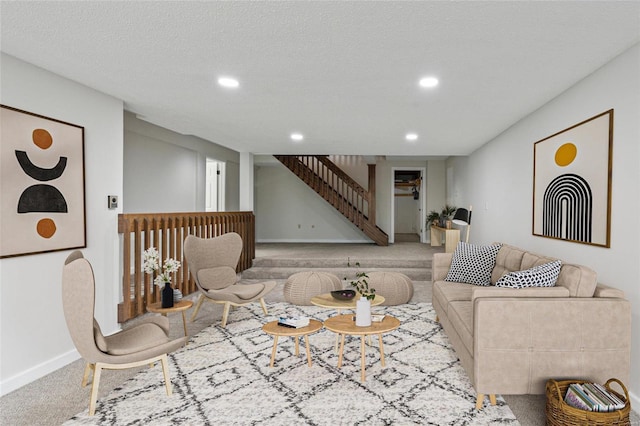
x=423 y=202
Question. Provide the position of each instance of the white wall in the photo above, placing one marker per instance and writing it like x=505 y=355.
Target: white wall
x=34 y=335
x=283 y=202
x=165 y=171
x=498 y=181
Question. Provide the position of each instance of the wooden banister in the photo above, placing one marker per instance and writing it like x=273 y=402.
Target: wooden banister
x=340 y=190
x=166 y=232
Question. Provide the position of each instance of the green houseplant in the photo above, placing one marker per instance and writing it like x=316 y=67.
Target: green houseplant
x=440 y=219
x=361 y=283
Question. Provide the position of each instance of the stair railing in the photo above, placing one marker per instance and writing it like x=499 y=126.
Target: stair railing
x=340 y=190
x=166 y=232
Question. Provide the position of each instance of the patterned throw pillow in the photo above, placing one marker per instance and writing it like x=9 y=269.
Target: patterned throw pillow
x=544 y=275
x=473 y=264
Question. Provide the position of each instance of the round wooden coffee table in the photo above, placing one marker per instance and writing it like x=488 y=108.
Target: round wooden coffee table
x=276 y=331
x=326 y=300
x=345 y=324
x=180 y=306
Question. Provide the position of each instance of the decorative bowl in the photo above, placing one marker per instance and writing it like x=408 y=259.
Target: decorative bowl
x=343 y=294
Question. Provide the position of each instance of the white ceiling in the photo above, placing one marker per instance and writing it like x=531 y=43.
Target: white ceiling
x=345 y=74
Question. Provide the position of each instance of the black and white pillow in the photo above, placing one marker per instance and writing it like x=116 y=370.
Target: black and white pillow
x=473 y=264
x=544 y=275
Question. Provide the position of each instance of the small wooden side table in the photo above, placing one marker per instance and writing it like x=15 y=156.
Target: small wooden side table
x=276 y=330
x=451 y=238
x=345 y=324
x=180 y=306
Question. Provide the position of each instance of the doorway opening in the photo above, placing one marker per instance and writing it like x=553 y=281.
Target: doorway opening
x=408 y=204
x=214 y=197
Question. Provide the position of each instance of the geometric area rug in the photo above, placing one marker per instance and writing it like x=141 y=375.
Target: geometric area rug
x=222 y=377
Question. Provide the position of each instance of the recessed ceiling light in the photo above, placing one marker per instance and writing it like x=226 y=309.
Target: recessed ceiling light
x=428 y=82
x=411 y=136
x=297 y=136
x=228 y=82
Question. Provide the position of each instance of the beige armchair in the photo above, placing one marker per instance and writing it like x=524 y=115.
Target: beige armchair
x=142 y=344
x=212 y=262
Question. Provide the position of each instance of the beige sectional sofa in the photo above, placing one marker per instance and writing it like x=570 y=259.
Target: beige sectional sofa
x=511 y=341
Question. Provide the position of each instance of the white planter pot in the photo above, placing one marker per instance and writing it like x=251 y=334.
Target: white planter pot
x=363 y=312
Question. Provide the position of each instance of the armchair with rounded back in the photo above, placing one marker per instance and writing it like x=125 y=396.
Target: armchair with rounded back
x=212 y=262
x=142 y=344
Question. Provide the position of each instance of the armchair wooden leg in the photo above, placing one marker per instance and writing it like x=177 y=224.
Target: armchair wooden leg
x=264 y=307
x=225 y=314
x=94 y=389
x=480 y=400
x=165 y=372
x=87 y=370
x=195 y=311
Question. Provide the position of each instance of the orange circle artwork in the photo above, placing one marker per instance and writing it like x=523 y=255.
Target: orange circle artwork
x=46 y=228
x=42 y=138
x=566 y=154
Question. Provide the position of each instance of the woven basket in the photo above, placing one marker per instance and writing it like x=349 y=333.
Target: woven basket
x=561 y=414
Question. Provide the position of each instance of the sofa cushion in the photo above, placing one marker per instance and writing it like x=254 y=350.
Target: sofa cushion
x=580 y=280
x=472 y=263
x=461 y=317
x=529 y=260
x=506 y=292
x=544 y=275
x=509 y=259
x=445 y=292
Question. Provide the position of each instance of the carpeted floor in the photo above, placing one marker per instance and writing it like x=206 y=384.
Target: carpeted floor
x=223 y=378
x=57 y=397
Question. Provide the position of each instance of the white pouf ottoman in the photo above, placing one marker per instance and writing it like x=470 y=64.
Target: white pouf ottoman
x=396 y=288
x=302 y=286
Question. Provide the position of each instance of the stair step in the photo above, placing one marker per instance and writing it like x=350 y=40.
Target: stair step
x=341 y=263
x=283 y=272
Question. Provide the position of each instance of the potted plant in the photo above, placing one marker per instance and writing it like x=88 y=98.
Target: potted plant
x=433 y=218
x=445 y=216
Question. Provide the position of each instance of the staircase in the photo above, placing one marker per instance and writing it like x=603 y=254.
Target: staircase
x=338 y=189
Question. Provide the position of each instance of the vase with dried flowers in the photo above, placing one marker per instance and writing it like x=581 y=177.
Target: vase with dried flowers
x=163 y=273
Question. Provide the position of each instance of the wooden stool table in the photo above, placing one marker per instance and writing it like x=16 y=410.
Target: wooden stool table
x=180 y=306
x=345 y=324
x=276 y=330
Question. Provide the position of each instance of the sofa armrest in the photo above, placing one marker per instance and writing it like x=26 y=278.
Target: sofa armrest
x=441 y=264
x=531 y=292
x=606 y=291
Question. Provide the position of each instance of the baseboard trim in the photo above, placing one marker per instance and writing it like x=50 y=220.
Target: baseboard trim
x=312 y=241
x=37 y=372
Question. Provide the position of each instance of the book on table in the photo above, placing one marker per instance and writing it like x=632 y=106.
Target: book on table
x=293 y=321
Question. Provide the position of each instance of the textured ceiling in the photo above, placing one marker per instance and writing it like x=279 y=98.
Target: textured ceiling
x=344 y=74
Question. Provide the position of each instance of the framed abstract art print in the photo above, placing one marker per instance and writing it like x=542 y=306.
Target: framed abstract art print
x=42 y=200
x=572 y=183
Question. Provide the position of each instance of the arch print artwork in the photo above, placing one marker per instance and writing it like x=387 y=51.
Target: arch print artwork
x=42 y=200
x=572 y=183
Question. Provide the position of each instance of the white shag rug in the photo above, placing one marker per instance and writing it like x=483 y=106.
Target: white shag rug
x=222 y=377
